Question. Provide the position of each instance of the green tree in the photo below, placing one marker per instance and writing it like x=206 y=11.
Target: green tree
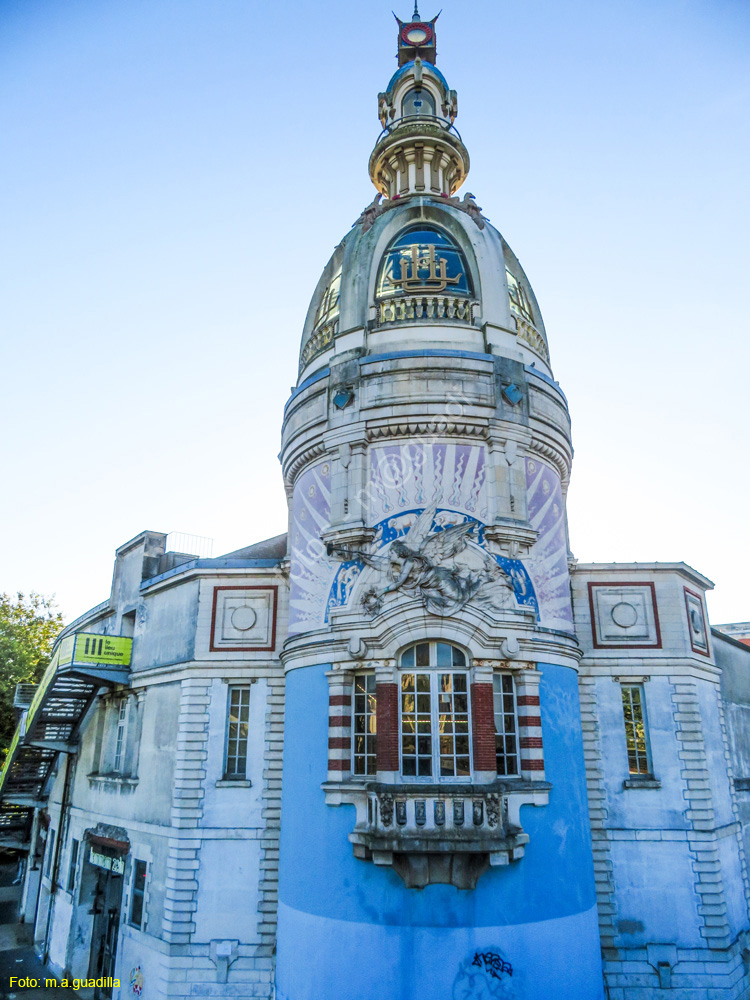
x=28 y=627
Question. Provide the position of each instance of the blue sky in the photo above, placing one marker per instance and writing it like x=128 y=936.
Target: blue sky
x=175 y=174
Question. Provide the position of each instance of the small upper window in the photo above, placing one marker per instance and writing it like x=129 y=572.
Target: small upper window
x=120 y=736
x=138 y=893
x=520 y=303
x=636 y=730
x=421 y=261
x=238 y=723
x=73 y=865
x=418 y=101
x=328 y=308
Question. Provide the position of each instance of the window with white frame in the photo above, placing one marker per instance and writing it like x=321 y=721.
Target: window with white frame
x=73 y=863
x=636 y=729
x=435 y=715
x=506 y=724
x=138 y=893
x=238 y=720
x=50 y=853
x=364 y=725
x=118 y=759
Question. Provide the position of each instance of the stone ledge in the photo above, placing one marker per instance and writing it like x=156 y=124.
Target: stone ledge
x=646 y=782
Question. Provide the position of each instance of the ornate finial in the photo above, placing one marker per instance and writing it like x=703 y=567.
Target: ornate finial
x=416 y=10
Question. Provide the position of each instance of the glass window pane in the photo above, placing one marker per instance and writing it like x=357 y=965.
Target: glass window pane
x=444 y=654
x=506 y=747
x=423 y=654
x=636 y=736
x=364 y=722
x=235 y=765
x=407 y=658
x=418 y=101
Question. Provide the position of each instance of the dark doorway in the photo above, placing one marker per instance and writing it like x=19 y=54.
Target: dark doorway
x=107 y=868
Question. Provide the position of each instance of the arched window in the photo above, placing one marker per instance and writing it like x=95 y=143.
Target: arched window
x=418 y=101
x=328 y=307
x=423 y=260
x=435 y=728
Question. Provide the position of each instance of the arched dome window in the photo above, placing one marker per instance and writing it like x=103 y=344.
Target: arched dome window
x=423 y=261
x=418 y=101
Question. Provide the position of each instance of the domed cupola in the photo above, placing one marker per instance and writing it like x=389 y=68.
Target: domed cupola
x=419 y=149
x=421 y=269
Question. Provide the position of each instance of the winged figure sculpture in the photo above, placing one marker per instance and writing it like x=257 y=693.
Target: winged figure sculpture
x=429 y=565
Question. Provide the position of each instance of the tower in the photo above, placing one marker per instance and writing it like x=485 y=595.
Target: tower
x=434 y=822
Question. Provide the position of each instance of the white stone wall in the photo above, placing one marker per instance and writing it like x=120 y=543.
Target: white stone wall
x=211 y=845
x=669 y=857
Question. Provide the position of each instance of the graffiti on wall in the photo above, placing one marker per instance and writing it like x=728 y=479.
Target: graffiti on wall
x=136 y=981
x=486 y=975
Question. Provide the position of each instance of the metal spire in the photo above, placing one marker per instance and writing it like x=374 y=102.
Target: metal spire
x=416 y=10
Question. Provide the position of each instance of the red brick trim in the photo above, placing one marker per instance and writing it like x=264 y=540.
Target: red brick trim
x=531 y=742
x=530 y=721
x=528 y=699
x=532 y=765
x=339 y=699
x=624 y=645
x=339 y=743
x=483 y=727
x=245 y=649
x=387 y=726
x=696 y=649
x=340 y=720
x=339 y=765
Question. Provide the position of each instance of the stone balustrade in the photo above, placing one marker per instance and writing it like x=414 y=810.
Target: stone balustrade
x=437 y=308
x=442 y=833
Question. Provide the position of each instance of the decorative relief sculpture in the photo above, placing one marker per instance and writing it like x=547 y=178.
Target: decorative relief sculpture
x=385 y=803
x=442 y=569
x=469 y=205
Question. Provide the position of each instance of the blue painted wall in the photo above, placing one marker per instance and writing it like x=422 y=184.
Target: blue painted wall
x=347 y=928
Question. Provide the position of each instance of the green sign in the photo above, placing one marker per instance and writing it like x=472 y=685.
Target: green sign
x=112 y=650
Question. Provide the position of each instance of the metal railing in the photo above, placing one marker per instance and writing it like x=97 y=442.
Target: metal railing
x=416 y=119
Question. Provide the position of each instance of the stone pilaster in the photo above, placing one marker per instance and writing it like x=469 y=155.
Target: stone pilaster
x=181 y=883
x=600 y=836
x=735 y=810
x=269 y=842
x=702 y=839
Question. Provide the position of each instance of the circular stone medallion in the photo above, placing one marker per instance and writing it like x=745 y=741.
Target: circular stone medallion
x=243 y=618
x=624 y=615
